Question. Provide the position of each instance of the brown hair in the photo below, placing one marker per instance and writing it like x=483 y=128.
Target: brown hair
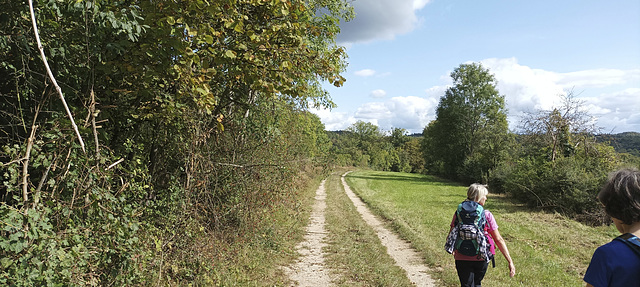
x=621 y=196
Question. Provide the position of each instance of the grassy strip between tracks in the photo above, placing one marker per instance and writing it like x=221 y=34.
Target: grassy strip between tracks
x=354 y=252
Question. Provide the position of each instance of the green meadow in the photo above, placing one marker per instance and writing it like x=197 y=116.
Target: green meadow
x=547 y=248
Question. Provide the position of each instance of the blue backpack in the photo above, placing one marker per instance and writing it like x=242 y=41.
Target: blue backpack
x=470 y=222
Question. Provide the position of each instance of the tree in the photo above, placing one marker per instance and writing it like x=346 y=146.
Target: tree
x=398 y=137
x=366 y=135
x=159 y=89
x=559 y=165
x=561 y=130
x=471 y=125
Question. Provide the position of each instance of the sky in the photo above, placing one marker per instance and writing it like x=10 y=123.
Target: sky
x=402 y=52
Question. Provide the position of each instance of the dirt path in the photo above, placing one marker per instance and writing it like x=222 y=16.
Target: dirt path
x=405 y=256
x=310 y=270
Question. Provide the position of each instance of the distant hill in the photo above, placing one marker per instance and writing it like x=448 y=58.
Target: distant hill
x=628 y=142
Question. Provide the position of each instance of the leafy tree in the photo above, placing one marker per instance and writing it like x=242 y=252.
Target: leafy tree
x=398 y=137
x=410 y=156
x=366 y=135
x=468 y=137
x=176 y=100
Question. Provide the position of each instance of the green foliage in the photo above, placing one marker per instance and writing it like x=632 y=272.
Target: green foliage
x=81 y=228
x=628 y=142
x=469 y=135
x=365 y=145
x=193 y=114
x=558 y=164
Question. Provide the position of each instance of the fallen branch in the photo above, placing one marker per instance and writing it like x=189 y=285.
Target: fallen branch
x=53 y=79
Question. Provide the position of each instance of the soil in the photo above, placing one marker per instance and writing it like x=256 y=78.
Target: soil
x=310 y=269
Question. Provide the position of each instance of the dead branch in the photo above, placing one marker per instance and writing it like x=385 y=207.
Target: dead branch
x=53 y=79
x=36 y=197
x=94 y=114
x=114 y=164
x=25 y=165
x=13 y=161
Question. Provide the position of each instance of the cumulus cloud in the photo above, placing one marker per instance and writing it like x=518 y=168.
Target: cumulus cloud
x=618 y=111
x=378 y=93
x=411 y=113
x=598 y=78
x=380 y=20
x=365 y=73
x=334 y=121
x=527 y=90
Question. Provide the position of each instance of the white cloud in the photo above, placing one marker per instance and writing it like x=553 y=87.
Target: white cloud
x=419 y=4
x=598 y=78
x=380 y=20
x=618 y=111
x=378 y=93
x=365 y=73
x=410 y=113
x=334 y=121
x=617 y=108
x=527 y=89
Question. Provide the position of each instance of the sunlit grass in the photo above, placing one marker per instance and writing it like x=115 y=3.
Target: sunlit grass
x=548 y=249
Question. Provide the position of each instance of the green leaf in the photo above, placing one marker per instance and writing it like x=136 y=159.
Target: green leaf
x=6 y=262
x=208 y=39
x=230 y=54
x=171 y=20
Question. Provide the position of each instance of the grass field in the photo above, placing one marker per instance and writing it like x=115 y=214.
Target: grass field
x=548 y=249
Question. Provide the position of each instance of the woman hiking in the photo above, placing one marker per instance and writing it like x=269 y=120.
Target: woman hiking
x=473 y=249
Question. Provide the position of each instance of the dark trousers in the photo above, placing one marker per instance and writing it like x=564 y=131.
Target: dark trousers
x=471 y=273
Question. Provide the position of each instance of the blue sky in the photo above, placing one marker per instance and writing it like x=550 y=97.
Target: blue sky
x=401 y=53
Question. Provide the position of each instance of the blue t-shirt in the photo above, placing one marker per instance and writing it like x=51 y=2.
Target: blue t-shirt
x=614 y=264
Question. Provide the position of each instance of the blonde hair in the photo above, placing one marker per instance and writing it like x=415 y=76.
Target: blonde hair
x=477 y=191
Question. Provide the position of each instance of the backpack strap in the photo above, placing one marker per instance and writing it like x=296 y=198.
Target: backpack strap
x=630 y=240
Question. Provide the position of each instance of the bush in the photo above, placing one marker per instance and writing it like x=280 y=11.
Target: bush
x=568 y=185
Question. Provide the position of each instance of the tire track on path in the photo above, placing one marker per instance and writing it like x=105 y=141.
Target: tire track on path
x=310 y=269
x=406 y=257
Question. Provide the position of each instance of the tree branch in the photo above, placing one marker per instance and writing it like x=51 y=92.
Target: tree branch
x=53 y=79
x=94 y=114
x=25 y=165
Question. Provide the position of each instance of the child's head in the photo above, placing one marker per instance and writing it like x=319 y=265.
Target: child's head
x=621 y=196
